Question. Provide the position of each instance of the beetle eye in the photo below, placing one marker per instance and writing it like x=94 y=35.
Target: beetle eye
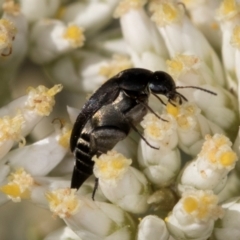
x=157 y=88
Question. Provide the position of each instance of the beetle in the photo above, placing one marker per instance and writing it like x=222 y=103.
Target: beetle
x=112 y=111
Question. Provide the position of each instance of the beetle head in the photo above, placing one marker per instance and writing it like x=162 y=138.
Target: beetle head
x=162 y=83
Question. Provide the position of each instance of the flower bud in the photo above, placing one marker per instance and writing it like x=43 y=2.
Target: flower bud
x=19 y=185
x=192 y=126
x=152 y=227
x=227 y=227
x=41 y=157
x=121 y=184
x=172 y=22
x=90 y=219
x=210 y=169
x=35 y=9
x=52 y=38
x=148 y=51
x=161 y=165
x=194 y=215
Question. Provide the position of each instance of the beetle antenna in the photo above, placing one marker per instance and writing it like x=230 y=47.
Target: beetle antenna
x=202 y=89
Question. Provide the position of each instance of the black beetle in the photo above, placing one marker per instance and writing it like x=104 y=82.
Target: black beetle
x=110 y=113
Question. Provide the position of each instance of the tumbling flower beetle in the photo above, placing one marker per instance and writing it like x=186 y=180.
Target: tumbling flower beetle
x=112 y=111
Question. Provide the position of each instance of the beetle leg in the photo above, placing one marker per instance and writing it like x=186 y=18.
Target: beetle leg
x=95 y=188
x=152 y=111
x=142 y=137
x=155 y=95
x=172 y=102
x=105 y=138
x=7 y=54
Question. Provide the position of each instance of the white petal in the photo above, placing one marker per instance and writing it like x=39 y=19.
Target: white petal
x=39 y=158
x=152 y=227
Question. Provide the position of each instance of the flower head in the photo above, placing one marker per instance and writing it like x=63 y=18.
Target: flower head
x=178 y=154
x=217 y=150
x=18 y=186
x=41 y=99
x=111 y=166
x=63 y=202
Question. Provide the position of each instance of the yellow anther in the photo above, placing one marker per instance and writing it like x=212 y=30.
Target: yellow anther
x=10 y=128
x=12 y=190
x=182 y=63
x=157 y=129
x=190 y=204
x=41 y=99
x=202 y=205
x=228 y=6
x=171 y=109
x=175 y=67
x=111 y=166
x=63 y=202
x=65 y=138
x=75 y=35
x=165 y=12
x=217 y=150
x=228 y=9
x=228 y=158
x=19 y=185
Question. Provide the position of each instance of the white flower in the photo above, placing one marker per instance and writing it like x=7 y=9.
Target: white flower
x=64 y=233
x=33 y=106
x=63 y=202
x=89 y=219
x=123 y=185
x=92 y=70
x=172 y=22
x=10 y=131
x=19 y=185
x=52 y=38
x=165 y=183
x=17 y=27
x=8 y=32
x=42 y=156
x=35 y=9
x=231 y=188
x=161 y=165
x=110 y=42
x=191 y=126
x=228 y=17
x=194 y=215
x=83 y=14
x=227 y=227
x=210 y=169
x=188 y=70
x=208 y=25
x=152 y=227
x=148 y=50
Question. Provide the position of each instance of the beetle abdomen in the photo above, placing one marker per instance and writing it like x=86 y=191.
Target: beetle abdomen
x=83 y=164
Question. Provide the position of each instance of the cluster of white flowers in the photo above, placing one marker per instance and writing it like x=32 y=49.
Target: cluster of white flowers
x=185 y=187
